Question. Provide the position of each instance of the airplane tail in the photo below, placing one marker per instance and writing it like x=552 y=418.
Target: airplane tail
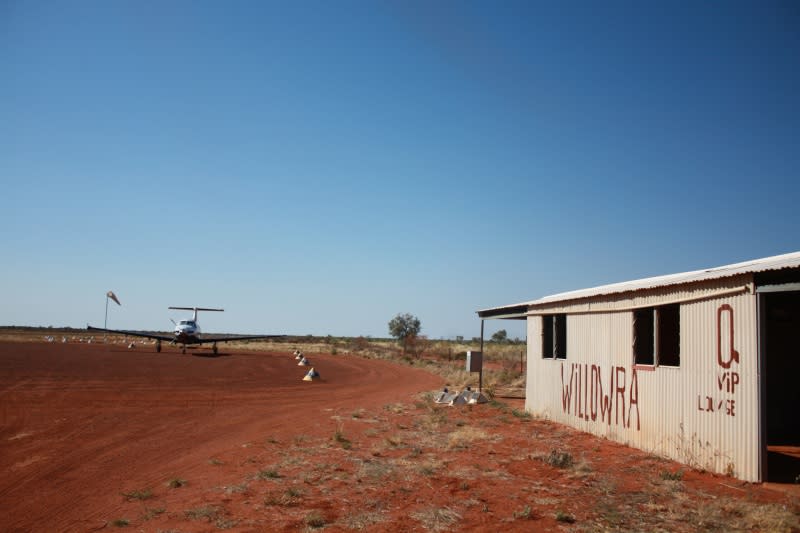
x=195 y=310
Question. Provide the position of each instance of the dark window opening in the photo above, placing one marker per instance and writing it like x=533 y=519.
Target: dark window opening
x=643 y=337
x=657 y=336
x=554 y=336
x=669 y=335
x=547 y=337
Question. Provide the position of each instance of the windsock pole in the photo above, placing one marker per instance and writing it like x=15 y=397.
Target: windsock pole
x=111 y=295
x=105 y=323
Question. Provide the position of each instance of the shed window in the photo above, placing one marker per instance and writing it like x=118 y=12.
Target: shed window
x=657 y=336
x=669 y=335
x=554 y=336
x=643 y=337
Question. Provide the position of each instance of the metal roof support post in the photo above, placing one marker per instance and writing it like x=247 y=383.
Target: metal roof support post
x=480 y=374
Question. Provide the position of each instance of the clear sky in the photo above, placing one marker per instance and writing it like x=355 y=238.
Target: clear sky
x=319 y=167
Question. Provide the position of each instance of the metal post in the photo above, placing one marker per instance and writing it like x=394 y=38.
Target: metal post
x=480 y=374
x=105 y=323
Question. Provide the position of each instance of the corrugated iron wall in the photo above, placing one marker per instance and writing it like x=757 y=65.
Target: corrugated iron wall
x=703 y=413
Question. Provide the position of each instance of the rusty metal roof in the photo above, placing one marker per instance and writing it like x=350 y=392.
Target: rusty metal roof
x=777 y=262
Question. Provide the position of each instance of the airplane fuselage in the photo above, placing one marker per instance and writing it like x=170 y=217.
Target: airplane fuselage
x=187 y=332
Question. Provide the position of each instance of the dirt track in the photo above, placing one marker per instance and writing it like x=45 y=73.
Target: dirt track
x=80 y=424
x=100 y=437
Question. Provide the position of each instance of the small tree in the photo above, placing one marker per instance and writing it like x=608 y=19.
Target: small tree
x=416 y=345
x=403 y=327
x=500 y=336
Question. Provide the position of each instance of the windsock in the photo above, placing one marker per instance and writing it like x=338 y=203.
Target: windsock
x=110 y=294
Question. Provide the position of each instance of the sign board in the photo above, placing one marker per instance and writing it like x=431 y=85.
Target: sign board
x=474 y=361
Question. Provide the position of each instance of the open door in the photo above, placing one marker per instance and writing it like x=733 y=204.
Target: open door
x=780 y=414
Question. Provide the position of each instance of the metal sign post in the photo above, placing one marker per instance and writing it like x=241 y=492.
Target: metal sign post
x=480 y=376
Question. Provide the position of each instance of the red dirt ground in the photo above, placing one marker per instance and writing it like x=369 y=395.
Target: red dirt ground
x=94 y=434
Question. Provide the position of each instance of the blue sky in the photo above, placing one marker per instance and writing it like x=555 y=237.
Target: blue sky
x=318 y=167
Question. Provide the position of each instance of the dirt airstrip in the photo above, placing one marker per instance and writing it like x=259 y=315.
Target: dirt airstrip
x=97 y=436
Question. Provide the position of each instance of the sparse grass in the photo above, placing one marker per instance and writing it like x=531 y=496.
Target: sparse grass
x=288 y=498
x=141 y=494
x=269 y=473
x=208 y=512
x=567 y=518
x=120 y=522
x=769 y=517
x=526 y=513
x=215 y=462
x=149 y=514
x=314 y=519
x=293 y=492
x=364 y=520
x=463 y=437
x=522 y=414
x=225 y=523
x=610 y=514
x=559 y=459
x=582 y=467
x=436 y=518
x=499 y=405
x=375 y=470
x=427 y=470
x=393 y=441
x=176 y=483
x=339 y=437
x=241 y=488
x=396 y=408
x=671 y=476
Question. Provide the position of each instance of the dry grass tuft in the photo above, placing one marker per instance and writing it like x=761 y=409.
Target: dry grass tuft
x=314 y=520
x=208 y=512
x=290 y=497
x=436 y=518
x=463 y=437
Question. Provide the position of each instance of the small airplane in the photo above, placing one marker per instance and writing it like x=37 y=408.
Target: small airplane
x=187 y=332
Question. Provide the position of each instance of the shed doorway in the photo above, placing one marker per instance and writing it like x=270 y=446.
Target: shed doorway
x=780 y=341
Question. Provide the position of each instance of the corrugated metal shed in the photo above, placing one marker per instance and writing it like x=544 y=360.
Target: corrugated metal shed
x=705 y=409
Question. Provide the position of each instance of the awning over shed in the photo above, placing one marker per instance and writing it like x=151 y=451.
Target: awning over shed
x=512 y=312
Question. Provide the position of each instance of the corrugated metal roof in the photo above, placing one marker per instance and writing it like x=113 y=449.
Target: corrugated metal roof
x=777 y=262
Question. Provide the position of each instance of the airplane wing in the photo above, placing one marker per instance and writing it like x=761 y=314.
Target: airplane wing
x=224 y=338
x=167 y=338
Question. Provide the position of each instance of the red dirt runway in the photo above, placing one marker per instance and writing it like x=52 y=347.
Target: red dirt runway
x=81 y=423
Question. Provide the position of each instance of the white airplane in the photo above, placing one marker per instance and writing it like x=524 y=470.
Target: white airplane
x=186 y=332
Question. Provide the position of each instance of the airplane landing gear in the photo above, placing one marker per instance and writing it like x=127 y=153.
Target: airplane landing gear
x=183 y=349
x=158 y=346
x=214 y=348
